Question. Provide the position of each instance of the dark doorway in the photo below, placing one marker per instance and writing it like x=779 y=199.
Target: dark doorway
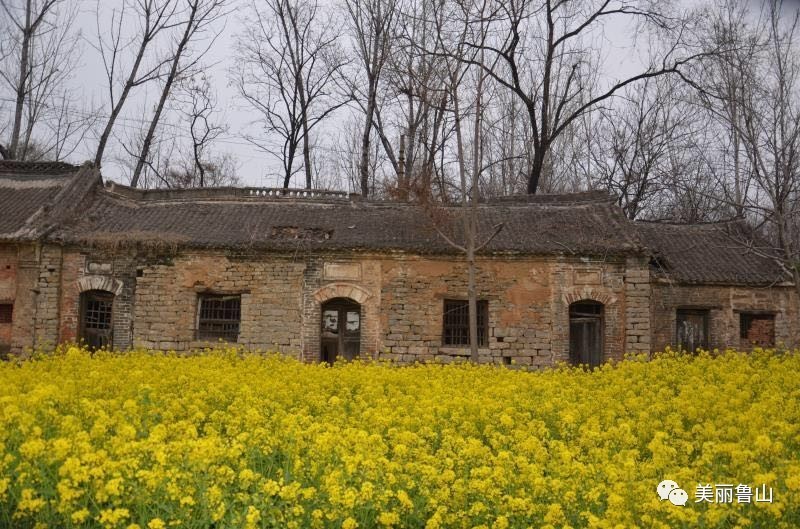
x=96 y=313
x=340 y=330
x=586 y=333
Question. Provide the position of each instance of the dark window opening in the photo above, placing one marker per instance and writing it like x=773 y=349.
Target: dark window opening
x=692 y=329
x=757 y=329
x=219 y=317
x=96 y=318
x=586 y=333
x=6 y=312
x=456 y=322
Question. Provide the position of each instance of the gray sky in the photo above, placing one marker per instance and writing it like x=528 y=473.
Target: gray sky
x=255 y=167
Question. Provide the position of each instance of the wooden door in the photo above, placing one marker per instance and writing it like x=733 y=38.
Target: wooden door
x=341 y=330
x=586 y=334
x=692 y=329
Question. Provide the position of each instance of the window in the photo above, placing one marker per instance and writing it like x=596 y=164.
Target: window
x=96 y=318
x=6 y=311
x=757 y=329
x=456 y=322
x=219 y=317
x=692 y=329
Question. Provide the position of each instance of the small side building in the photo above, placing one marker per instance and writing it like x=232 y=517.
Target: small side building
x=325 y=275
x=713 y=286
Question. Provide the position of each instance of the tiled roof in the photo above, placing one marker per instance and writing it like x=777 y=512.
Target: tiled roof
x=240 y=218
x=68 y=204
x=27 y=190
x=718 y=253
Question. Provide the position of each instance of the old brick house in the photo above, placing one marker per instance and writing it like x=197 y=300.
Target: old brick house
x=322 y=274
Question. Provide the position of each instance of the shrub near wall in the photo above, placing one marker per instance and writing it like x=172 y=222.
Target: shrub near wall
x=218 y=440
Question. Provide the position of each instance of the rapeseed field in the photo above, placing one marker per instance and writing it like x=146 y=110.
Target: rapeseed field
x=226 y=439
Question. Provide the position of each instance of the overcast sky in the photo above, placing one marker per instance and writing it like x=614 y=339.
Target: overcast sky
x=255 y=167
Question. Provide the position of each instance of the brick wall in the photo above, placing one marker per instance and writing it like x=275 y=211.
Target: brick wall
x=528 y=307
x=725 y=304
x=401 y=297
x=166 y=298
x=8 y=290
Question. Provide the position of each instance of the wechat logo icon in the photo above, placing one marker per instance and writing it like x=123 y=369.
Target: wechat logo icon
x=669 y=490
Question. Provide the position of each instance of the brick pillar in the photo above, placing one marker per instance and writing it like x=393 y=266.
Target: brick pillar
x=637 y=305
x=46 y=323
x=25 y=298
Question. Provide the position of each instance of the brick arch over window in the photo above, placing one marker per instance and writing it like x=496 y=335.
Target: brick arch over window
x=104 y=283
x=589 y=294
x=342 y=290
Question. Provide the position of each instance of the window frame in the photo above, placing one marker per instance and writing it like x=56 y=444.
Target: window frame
x=456 y=334
x=695 y=311
x=96 y=318
x=209 y=326
x=755 y=315
x=6 y=307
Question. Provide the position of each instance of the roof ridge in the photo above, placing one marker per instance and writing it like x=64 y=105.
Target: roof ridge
x=22 y=167
x=700 y=224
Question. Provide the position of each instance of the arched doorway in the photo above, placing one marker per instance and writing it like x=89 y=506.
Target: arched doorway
x=96 y=318
x=586 y=333
x=340 y=334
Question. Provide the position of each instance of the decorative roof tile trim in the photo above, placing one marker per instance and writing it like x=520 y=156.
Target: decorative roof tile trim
x=244 y=194
x=29 y=183
x=16 y=167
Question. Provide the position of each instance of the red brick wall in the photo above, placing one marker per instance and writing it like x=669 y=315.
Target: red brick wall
x=760 y=333
x=8 y=288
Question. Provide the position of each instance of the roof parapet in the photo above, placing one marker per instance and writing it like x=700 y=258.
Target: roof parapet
x=223 y=193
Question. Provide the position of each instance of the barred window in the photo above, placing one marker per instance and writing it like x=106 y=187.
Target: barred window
x=6 y=311
x=456 y=322
x=96 y=318
x=219 y=317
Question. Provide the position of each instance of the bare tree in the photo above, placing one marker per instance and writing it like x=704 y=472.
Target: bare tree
x=198 y=107
x=287 y=61
x=38 y=46
x=770 y=132
x=636 y=140
x=452 y=32
x=538 y=52
x=372 y=26
x=728 y=78
x=198 y=16
x=152 y=17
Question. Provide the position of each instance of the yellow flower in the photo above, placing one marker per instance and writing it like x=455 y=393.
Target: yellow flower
x=156 y=523
x=79 y=516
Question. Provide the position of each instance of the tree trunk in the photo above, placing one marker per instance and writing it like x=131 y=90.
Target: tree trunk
x=173 y=73
x=536 y=170
x=129 y=83
x=23 y=81
x=363 y=168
